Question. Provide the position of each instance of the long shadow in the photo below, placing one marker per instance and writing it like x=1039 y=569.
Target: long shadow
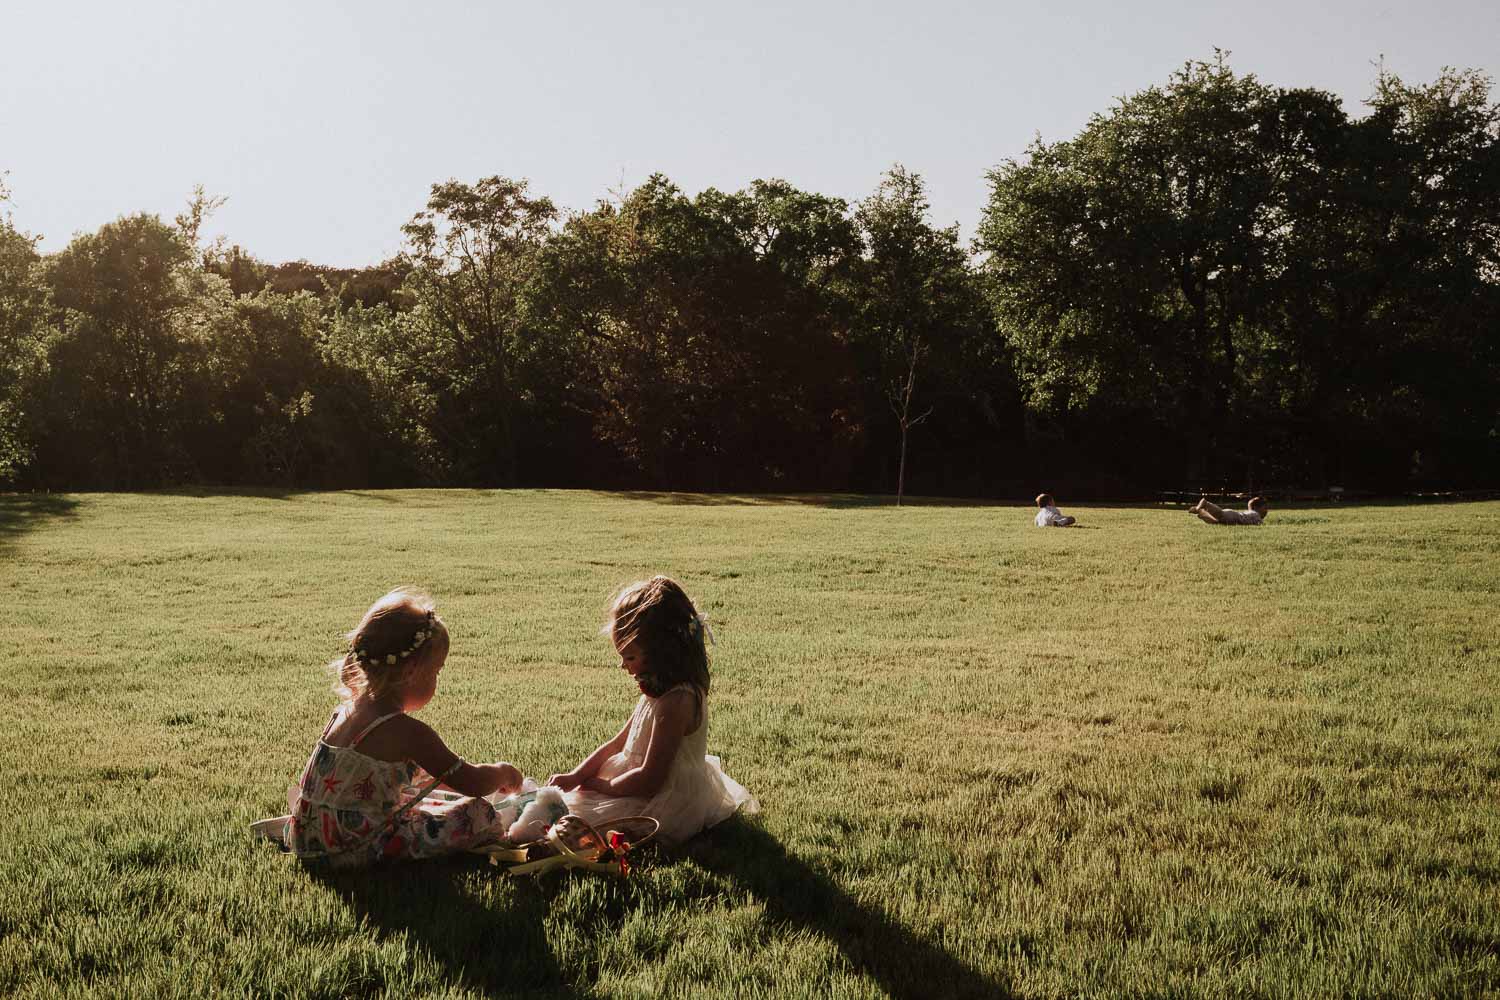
x=1179 y=500
x=1312 y=500
x=218 y=492
x=23 y=512
x=440 y=907
x=802 y=897
x=504 y=951
x=832 y=501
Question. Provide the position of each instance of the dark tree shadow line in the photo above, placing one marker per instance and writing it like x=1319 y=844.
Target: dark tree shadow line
x=23 y=512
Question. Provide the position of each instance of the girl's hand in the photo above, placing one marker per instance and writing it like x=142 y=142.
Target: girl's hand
x=597 y=784
x=567 y=782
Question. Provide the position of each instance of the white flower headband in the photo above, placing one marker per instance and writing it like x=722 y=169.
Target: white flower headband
x=420 y=636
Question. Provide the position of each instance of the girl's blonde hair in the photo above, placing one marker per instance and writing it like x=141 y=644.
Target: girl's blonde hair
x=658 y=616
x=399 y=638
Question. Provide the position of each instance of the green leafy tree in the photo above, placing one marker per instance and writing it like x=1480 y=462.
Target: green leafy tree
x=1382 y=315
x=23 y=313
x=470 y=255
x=1261 y=280
x=120 y=360
x=1129 y=267
x=385 y=394
x=264 y=388
x=706 y=332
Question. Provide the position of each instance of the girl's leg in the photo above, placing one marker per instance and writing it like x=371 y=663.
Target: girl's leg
x=435 y=828
x=1209 y=512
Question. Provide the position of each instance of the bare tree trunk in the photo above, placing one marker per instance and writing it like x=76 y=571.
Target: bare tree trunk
x=900 y=396
x=901 y=474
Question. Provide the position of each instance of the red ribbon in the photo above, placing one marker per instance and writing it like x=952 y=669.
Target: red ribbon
x=620 y=846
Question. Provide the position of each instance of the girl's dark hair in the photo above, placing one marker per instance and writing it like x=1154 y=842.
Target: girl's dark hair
x=658 y=616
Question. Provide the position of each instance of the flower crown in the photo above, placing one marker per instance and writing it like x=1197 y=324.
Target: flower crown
x=390 y=659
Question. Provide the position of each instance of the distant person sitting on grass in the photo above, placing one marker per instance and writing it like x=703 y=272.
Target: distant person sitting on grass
x=366 y=793
x=1254 y=512
x=1049 y=516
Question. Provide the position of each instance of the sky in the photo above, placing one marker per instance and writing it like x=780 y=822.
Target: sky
x=324 y=123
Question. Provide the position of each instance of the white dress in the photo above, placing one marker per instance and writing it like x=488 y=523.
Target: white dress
x=696 y=795
x=1051 y=517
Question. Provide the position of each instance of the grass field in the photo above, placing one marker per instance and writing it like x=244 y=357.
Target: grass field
x=1146 y=757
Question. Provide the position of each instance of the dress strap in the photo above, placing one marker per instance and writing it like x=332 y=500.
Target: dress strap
x=367 y=730
x=332 y=721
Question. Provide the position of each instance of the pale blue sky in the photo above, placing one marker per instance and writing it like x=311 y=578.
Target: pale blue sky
x=324 y=123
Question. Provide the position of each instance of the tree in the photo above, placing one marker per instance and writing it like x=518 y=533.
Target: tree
x=264 y=388
x=386 y=391
x=915 y=300
x=23 y=306
x=1261 y=280
x=471 y=253
x=706 y=332
x=120 y=360
x=1384 y=312
x=1131 y=268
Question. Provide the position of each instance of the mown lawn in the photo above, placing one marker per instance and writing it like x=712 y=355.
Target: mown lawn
x=1143 y=757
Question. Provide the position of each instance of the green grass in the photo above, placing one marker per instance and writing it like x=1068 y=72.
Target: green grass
x=1145 y=757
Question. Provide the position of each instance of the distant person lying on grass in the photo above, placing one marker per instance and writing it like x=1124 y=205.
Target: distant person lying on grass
x=1254 y=513
x=367 y=792
x=1049 y=516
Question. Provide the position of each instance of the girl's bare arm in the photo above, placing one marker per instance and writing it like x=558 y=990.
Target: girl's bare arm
x=674 y=717
x=591 y=764
x=425 y=748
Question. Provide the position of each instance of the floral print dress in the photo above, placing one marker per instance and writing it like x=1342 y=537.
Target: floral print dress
x=356 y=809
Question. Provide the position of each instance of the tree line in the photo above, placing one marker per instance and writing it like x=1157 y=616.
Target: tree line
x=1215 y=283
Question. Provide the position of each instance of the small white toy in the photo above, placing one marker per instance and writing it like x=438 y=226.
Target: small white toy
x=528 y=813
x=537 y=815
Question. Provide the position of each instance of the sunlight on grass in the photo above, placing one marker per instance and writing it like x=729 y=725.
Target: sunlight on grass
x=1148 y=757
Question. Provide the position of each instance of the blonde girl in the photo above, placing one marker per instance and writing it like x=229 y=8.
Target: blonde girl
x=367 y=792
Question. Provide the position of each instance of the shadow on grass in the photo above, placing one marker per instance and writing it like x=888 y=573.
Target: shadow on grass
x=860 y=501
x=831 y=501
x=803 y=898
x=23 y=512
x=441 y=908
x=221 y=492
